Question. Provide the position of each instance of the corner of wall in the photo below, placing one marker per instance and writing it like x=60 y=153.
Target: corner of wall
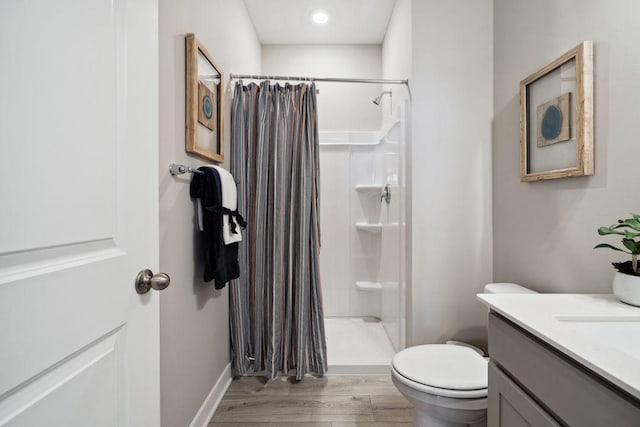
x=213 y=399
x=452 y=86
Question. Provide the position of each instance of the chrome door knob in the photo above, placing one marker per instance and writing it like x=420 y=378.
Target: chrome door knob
x=145 y=280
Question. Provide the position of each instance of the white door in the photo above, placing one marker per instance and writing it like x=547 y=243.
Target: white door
x=78 y=213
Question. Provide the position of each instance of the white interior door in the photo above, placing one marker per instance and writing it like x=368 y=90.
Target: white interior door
x=78 y=212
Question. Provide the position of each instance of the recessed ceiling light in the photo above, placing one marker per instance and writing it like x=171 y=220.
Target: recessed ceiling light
x=320 y=17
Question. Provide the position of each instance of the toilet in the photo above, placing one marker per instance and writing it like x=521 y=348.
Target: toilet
x=447 y=383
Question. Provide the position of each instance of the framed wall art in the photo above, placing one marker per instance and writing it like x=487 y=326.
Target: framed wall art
x=204 y=96
x=556 y=118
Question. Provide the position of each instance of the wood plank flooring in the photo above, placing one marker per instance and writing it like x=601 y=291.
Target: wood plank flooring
x=331 y=401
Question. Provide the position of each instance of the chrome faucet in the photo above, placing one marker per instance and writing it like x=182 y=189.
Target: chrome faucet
x=386 y=195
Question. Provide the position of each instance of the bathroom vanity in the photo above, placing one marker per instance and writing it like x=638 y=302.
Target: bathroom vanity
x=563 y=359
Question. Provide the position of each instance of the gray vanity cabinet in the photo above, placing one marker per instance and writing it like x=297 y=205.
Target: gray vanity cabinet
x=510 y=406
x=533 y=384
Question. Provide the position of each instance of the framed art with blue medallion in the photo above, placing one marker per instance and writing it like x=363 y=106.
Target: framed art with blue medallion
x=207 y=106
x=556 y=118
x=204 y=102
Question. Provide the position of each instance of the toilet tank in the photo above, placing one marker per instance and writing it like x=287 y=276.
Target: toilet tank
x=506 y=288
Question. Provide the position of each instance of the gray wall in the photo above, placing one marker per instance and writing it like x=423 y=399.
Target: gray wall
x=452 y=94
x=544 y=232
x=341 y=107
x=194 y=329
x=396 y=53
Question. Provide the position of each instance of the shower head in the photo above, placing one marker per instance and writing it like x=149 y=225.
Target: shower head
x=379 y=97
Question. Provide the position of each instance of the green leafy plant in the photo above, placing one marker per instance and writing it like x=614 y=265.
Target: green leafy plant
x=630 y=230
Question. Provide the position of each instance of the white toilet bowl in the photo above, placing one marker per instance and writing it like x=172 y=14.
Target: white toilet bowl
x=447 y=383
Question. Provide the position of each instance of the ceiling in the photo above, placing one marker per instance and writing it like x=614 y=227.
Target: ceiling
x=350 y=21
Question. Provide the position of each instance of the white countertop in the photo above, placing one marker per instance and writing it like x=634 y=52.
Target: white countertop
x=596 y=330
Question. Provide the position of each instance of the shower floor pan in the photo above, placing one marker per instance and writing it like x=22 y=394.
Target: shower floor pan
x=357 y=345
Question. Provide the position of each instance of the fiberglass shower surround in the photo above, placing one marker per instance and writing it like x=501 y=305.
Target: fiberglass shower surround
x=363 y=236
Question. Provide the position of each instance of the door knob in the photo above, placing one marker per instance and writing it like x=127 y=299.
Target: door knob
x=145 y=280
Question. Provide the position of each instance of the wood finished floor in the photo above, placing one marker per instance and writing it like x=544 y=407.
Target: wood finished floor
x=332 y=401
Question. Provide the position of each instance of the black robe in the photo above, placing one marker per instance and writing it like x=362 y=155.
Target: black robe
x=221 y=261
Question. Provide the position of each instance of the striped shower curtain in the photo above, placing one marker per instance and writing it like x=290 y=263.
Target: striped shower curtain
x=277 y=324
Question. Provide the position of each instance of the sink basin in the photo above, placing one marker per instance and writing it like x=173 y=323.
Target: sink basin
x=621 y=333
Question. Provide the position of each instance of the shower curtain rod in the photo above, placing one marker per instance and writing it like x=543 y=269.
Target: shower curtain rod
x=318 y=79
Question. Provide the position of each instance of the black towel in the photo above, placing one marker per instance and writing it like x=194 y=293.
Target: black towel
x=221 y=261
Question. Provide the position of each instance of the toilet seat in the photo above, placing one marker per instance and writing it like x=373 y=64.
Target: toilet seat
x=442 y=370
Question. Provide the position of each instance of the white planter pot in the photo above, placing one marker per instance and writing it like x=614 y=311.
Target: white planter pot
x=627 y=288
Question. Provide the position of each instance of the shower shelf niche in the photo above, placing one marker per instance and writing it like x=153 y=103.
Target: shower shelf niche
x=374 y=228
x=368 y=286
x=365 y=188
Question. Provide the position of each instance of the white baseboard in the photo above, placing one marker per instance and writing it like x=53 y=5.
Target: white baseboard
x=212 y=401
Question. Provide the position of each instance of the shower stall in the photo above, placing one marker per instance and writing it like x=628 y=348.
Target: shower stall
x=363 y=234
x=363 y=195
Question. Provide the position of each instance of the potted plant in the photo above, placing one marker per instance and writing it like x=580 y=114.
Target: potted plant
x=626 y=282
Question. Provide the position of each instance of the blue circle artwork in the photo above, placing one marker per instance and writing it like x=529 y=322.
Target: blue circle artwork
x=551 y=123
x=207 y=106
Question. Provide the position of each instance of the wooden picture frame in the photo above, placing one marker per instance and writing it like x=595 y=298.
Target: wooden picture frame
x=556 y=118
x=204 y=102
